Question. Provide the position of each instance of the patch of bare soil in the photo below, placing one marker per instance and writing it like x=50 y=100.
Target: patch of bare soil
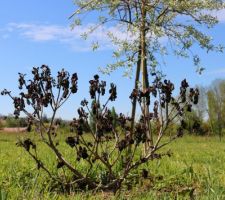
x=14 y=130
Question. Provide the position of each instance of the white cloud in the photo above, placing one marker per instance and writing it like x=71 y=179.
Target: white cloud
x=220 y=15
x=63 y=34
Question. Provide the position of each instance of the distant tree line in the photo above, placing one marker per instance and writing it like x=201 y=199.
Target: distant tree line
x=208 y=116
x=11 y=122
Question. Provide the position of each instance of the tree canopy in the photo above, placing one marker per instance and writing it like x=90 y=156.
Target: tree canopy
x=170 y=26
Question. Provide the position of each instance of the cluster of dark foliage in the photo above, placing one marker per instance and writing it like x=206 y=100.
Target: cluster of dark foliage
x=116 y=150
x=39 y=91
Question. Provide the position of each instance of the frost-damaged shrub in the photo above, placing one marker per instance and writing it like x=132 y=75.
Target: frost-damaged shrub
x=110 y=155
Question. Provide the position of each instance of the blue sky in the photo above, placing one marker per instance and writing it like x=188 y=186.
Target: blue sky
x=34 y=32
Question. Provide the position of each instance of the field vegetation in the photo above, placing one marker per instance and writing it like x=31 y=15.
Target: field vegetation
x=172 y=150
x=82 y=159
x=195 y=170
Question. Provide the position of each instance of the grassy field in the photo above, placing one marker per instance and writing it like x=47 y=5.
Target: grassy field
x=196 y=170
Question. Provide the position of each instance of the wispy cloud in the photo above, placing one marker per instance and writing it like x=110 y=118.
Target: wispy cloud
x=221 y=15
x=63 y=34
x=5 y=36
x=218 y=71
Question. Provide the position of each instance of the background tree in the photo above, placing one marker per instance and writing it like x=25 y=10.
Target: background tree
x=194 y=123
x=45 y=118
x=1 y=124
x=201 y=107
x=147 y=23
x=216 y=106
x=114 y=116
x=13 y=122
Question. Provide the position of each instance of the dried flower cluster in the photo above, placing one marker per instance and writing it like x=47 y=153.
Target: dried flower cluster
x=107 y=145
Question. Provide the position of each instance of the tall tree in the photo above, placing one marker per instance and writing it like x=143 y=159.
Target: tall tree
x=216 y=106
x=156 y=27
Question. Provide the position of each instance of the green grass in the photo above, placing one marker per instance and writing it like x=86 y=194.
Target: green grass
x=195 y=169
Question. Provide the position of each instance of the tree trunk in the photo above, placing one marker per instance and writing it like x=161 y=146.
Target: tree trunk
x=219 y=126
x=145 y=80
x=134 y=103
x=211 y=123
